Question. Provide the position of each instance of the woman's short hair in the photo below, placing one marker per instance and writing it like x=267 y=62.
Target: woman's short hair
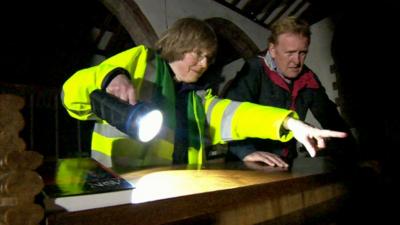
x=186 y=35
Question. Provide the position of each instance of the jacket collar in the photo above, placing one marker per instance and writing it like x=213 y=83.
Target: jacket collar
x=306 y=79
x=270 y=62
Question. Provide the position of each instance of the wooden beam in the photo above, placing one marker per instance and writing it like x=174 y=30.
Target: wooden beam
x=135 y=22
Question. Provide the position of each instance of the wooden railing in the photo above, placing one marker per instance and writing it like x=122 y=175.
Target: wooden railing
x=48 y=128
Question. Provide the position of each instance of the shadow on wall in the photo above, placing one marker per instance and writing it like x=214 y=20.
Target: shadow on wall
x=363 y=47
x=233 y=44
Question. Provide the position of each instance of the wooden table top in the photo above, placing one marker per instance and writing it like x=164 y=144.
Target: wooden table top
x=167 y=194
x=174 y=181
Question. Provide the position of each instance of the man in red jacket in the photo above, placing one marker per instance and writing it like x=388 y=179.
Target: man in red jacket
x=279 y=78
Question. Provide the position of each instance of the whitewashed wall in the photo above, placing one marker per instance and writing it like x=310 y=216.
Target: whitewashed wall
x=162 y=13
x=319 y=59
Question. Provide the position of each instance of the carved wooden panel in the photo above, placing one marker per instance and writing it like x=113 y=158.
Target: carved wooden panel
x=19 y=183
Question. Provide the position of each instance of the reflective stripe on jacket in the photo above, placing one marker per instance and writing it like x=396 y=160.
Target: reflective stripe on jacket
x=225 y=120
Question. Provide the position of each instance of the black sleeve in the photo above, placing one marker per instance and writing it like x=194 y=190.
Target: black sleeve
x=111 y=75
x=246 y=84
x=326 y=112
x=239 y=149
x=244 y=87
x=344 y=151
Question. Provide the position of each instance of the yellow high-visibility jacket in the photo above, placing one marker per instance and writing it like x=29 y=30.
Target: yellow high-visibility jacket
x=220 y=120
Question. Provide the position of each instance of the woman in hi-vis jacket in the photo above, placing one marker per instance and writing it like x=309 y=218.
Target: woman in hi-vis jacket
x=193 y=117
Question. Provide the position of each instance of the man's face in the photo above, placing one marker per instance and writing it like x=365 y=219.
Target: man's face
x=190 y=68
x=289 y=53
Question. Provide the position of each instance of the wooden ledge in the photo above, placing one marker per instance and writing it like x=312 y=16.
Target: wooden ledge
x=217 y=193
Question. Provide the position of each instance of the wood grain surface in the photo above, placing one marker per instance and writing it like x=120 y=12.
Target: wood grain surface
x=235 y=193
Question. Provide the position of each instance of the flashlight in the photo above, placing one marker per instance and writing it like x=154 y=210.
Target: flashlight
x=141 y=121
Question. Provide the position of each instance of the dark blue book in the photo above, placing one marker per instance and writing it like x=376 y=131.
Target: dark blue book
x=82 y=183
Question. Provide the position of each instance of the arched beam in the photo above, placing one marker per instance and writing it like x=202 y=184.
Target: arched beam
x=135 y=22
x=233 y=41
